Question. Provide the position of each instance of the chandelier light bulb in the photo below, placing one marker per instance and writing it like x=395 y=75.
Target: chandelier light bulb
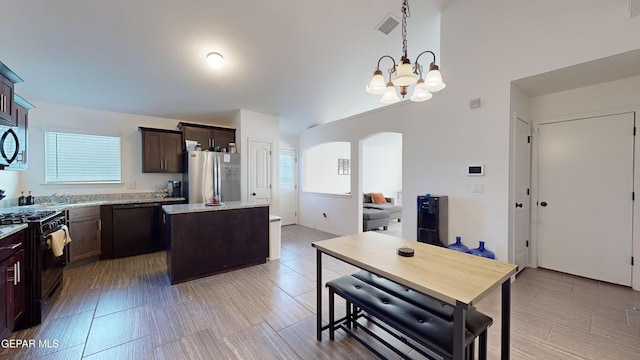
x=420 y=92
x=434 y=82
x=377 y=84
x=215 y=60
x=390 y=96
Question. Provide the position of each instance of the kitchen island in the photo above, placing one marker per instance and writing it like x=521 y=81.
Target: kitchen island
x=203 y=240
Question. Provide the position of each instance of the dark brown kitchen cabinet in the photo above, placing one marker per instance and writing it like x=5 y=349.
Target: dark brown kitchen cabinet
x=132 y=229
x=5 y=330
x=84 y=227
x=12 y=289
x=136 y=229
x=16 y=289
x=21 y=115
x=161 y=151
x=7 y=80
x=208 y=136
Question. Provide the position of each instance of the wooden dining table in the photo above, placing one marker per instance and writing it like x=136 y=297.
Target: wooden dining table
x=454 y=277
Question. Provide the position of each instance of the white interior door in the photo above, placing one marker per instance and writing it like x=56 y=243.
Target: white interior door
x=585 y=197
x=288 y=186
x=522 y=197
x=260 y=171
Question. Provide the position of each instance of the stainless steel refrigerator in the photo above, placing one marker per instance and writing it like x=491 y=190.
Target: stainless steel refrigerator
x=212 y=173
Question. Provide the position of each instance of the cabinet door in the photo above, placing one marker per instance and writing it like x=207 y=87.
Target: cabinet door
x=152 y=160
x=172 y=152
x=22 y=120
x=84 y=228
x=16 y=289
x=4 y=309
x=136 y=229
x=202 y=135
x=223 y=137
x=6 y=102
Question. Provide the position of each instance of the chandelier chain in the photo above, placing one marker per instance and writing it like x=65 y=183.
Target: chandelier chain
x=405 y=11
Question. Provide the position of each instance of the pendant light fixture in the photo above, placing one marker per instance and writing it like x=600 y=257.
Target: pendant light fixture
x=405 y=73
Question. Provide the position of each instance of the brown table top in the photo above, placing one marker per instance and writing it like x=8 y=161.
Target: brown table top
x=436 y=271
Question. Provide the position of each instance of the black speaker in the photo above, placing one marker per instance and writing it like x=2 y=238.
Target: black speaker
x=433 y=214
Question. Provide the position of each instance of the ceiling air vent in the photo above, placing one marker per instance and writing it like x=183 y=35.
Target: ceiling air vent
x=388 y=24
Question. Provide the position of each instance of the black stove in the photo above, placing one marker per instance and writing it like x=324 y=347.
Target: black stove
x=24 y=216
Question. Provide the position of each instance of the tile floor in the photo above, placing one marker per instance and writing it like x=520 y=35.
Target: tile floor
x=126 y=309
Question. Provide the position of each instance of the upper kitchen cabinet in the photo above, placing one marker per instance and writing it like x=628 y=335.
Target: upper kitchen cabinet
x=208 y=137
x=21 y=115
x=7 y=80
x=161 y=151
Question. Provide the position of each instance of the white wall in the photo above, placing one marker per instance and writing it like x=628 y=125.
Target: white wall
x=57 y=116
x=484 y=46
x=253 y=125
x=382 y=164
x=320 y=170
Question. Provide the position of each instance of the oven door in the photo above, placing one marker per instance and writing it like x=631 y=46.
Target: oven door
x=52 y=267
x=9 y=146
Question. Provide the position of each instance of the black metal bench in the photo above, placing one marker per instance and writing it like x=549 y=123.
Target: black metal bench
x=423 y=327
x=477 y=323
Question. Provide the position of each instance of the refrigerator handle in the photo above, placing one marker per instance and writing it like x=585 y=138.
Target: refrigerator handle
x=219 y=176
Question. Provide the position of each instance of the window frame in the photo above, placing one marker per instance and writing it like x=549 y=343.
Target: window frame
x=67 y=131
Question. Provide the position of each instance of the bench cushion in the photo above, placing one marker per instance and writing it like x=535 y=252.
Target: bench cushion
x=477 y=322
x=374 y=214
x=422 y=326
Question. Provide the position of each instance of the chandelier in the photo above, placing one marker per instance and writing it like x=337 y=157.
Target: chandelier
x=405 y=73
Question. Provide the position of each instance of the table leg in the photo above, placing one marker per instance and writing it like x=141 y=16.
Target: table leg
x=459 y=321
x=505 y=350
x=319 y=294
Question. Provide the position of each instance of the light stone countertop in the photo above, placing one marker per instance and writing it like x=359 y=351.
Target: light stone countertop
x=200 y=207
x=80 y=204
x=7 y=230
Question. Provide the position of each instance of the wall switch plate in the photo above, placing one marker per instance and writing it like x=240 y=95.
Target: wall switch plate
x=478 y=188
x=475 y=103
x=131 y=185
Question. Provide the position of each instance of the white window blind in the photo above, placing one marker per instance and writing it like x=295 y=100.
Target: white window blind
x=81 y=158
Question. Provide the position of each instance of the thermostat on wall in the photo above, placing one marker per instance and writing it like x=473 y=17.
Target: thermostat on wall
x=475 y=170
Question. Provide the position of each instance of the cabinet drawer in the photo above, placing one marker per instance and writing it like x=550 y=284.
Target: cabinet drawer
x=10 y=245
x=84 y=212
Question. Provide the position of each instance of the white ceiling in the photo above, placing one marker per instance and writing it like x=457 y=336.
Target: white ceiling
x=304 y=61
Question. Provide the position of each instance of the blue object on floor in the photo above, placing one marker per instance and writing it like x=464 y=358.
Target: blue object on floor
x=481 y=251
x=458 y=246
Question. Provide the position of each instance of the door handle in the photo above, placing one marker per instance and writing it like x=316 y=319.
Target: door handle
x=543 y=204
x=518 y=205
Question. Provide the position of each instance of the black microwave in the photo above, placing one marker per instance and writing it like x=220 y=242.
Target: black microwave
x=9 y=146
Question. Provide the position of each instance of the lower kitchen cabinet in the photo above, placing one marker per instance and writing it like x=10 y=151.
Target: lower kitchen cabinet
x=84 y=228
x=12 y=289
x=132 y=229
x=136 y=229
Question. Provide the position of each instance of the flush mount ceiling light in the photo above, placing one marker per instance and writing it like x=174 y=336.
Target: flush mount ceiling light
x=215 y=60
x=405 y=73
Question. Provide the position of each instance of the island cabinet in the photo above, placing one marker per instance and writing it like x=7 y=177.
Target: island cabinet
x=208 y=136
x=85 y=226
x=206 y=242
x=161 y=151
